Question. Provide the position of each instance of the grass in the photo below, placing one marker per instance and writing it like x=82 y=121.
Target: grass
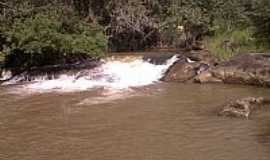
x=227 y=44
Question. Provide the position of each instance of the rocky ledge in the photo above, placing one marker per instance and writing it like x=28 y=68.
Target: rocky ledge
x=49 y=72
x=248 y=69
x=189 y=66
x=243 y=107
x=201 y=67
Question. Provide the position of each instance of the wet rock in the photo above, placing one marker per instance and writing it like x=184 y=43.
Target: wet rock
x=189 y=66
x=248 y=69
x=207 y=77
x=202 y=56
x=243 y=107
x=52 y=71
x=181 y=71
x=202 y=68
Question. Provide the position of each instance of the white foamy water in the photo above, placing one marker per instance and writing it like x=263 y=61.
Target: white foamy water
x=113 y=74
x=4 y=75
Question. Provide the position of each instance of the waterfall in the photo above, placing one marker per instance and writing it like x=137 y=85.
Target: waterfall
x=114 y=74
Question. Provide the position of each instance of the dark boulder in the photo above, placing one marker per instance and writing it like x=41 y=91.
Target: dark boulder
x=202 y=56
x=189 y=66
x=181 y=71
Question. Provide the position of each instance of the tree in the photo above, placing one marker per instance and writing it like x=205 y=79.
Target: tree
x=130 y=26
x=48 y=35
x=260 y=17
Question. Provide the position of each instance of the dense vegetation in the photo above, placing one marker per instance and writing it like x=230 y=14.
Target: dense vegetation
x=48 y=35
x=38 y=32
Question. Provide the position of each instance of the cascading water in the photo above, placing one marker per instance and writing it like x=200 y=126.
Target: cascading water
x=5 y=75
x=113 y=74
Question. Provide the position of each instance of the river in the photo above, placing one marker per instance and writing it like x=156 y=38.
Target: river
x=53 y=120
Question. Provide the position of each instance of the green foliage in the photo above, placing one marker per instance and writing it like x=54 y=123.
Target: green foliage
x=228 y=44
x=261 y=20
x=235 y=21
x=215 y=15
x=36 y=28
x=47 y=34
x=188 y=11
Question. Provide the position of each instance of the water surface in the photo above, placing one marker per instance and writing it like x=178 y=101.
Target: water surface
x=156 y=122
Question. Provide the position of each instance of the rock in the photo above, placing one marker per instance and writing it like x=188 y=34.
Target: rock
x=248 y=69
x=181 y=71
x=202 y=56
x=189 y=66
x=206 y=77
x=243 y=107
x=52 y=71
x=198 y=46
x=202 y=68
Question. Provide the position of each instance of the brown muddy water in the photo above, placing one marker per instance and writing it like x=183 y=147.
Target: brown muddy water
x=158 y=122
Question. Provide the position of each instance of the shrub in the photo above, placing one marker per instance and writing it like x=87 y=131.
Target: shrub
x=230 y=43
x=46 y=38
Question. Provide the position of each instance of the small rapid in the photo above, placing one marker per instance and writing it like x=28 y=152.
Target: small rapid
x=116 y=74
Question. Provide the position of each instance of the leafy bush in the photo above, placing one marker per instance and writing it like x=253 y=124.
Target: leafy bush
x=227 y=44
x=46 y=38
